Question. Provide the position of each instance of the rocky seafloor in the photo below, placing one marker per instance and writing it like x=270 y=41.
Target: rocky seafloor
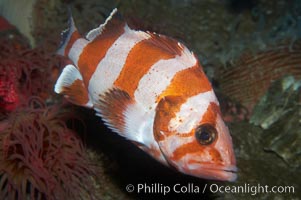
x=250 y=51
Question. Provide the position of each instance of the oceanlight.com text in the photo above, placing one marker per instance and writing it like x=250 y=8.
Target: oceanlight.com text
x=250 y=189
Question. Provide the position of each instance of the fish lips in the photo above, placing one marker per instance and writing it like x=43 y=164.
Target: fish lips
x=220 y=173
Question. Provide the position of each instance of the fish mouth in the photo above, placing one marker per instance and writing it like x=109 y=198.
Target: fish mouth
x=229 y=172
x=223 y=173
x=220 y=173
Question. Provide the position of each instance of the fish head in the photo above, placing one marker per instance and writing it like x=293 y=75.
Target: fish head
x=193 y=137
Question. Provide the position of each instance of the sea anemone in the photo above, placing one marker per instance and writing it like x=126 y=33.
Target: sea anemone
x=40 y=158
x=9 y=97
x=25 y=73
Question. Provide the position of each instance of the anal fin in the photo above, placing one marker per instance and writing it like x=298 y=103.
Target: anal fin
x=70 y=83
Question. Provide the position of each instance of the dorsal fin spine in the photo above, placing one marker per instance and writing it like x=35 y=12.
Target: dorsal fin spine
x=69 y=36
x=97 y=31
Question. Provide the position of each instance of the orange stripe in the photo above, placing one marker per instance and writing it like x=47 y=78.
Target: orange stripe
x=162 y=120
x=192 y=147
x=94 y=52
x=187 y=83
x=140 y=59
x=75 y=35
x=211 y=113
x=165 y=111
x=195 y=148
x=76 y=93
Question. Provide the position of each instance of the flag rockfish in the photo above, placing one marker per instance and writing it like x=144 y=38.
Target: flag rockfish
x=150 y=89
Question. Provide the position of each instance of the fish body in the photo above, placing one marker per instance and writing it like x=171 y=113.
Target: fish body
x=150 y=89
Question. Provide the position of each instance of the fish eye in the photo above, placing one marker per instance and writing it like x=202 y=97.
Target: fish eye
x=205 y=134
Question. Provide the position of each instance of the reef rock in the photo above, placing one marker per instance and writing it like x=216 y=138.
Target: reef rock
x=279 y=113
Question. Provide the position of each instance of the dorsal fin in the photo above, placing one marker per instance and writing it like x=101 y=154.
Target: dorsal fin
x=168 y=44
x=112 y=21
x=69 y=36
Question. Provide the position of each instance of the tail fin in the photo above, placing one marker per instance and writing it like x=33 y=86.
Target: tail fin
x=70 y=83
x=69 y=36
